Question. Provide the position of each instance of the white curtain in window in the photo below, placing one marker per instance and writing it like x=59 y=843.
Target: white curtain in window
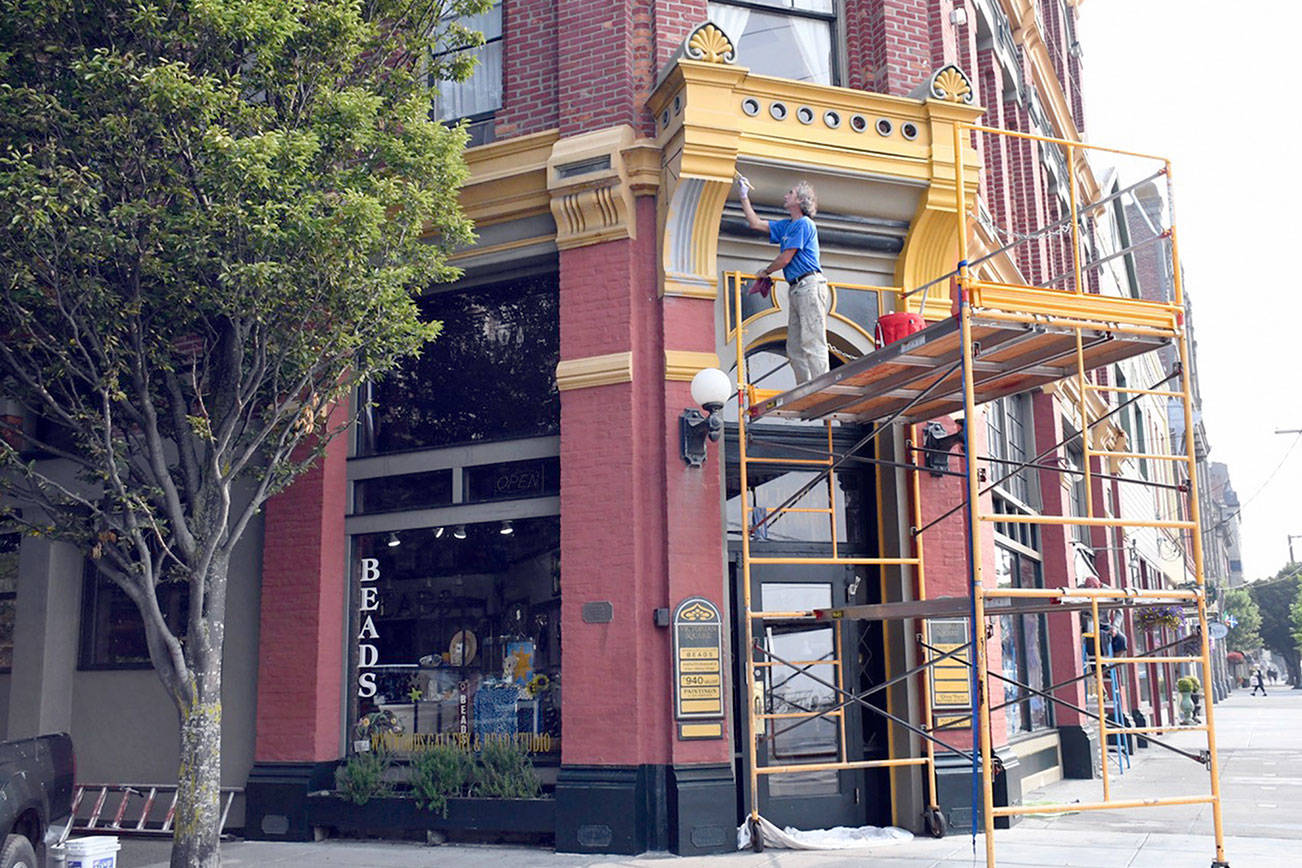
x=730 y=19
x=813 y=40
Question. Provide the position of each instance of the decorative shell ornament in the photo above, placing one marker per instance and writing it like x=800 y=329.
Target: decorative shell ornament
x=949 y=83
x=710 y=44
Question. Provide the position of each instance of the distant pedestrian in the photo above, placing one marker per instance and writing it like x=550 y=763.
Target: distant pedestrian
x=1273 y=674
x=1259 y=683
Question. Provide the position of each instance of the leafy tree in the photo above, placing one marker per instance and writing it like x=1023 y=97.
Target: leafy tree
x=1243 y=635
x=217 y=214
x=1274 y=599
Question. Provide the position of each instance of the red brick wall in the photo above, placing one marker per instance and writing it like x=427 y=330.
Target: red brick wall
x=301 y=633
x=946 y=561
x=529 y=68
x=890 y=45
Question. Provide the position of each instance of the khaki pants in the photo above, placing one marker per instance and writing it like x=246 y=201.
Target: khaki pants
x=807 y=327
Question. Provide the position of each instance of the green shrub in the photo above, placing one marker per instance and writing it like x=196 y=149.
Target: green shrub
x=438 y=773
x=362 y=778
x=1188 y=684
x=505 y=772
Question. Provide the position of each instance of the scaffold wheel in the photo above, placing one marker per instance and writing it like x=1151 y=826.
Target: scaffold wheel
x=934 y=820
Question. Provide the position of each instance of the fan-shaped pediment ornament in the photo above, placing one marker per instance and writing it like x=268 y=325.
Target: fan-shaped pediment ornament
x=710 y=44
x=950 y=84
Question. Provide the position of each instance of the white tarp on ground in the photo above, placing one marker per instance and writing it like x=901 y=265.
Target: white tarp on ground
x=837 y=838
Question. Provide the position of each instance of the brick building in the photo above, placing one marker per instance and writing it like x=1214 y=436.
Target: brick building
x=492 y=552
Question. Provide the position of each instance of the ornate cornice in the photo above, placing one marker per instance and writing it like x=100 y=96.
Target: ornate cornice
x=709 y=44
x=584 y=373
x=951 y=84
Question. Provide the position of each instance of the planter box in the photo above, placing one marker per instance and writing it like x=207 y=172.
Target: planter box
x=397 y=813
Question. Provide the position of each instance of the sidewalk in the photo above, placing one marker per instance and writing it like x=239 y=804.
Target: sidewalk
x=1260 y=747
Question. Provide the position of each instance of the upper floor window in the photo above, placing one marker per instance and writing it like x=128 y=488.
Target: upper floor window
x=481 y=93
x=490 y=375
x=1011 y=445
x=785 y=38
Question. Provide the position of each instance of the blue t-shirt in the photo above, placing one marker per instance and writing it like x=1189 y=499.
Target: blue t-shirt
x=802 y=236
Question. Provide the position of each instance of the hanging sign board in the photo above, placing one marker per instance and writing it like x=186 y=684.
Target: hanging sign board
x=951 y=690
x=1217 y=630
x=698 y=669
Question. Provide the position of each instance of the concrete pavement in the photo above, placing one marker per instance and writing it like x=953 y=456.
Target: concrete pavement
x=1260 y=747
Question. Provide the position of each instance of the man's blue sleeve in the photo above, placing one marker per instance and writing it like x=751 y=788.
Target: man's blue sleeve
x=778 y=230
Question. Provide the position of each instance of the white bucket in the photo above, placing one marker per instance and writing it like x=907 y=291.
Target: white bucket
x=100 y=851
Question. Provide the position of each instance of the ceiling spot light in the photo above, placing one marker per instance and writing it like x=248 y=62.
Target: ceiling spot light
x=506 y=529
x=393 y=541
x=438 y=532
x=459 y=531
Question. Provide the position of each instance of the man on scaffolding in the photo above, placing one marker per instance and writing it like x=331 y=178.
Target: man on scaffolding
x=808 y=295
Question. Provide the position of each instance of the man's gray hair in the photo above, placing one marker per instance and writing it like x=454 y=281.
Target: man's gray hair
x=806 y=197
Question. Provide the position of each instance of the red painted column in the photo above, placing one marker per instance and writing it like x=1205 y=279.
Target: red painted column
x=304 y=592
x=946 y=562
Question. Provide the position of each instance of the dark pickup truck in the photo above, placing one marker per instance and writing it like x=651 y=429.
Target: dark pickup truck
x=36 y=782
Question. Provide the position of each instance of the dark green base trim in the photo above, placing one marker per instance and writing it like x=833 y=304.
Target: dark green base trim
x=702 y=810
x=275 y=799
x=611 y=809
x=954 y=788
x=1080 y=752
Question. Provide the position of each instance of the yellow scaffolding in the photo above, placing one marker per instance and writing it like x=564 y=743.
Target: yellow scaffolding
x=1005 y=339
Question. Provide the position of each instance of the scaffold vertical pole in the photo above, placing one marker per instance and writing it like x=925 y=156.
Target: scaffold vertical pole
x=928 y=719
x=1195 y=516
x=748 y=653
x=1097 y=639
x=980 y=700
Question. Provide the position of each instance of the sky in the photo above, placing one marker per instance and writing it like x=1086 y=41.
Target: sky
x=1213 y=91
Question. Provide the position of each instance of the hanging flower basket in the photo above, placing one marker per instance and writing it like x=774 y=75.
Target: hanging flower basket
x=1160 y=616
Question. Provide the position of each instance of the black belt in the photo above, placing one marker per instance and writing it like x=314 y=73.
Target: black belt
x=806 y=274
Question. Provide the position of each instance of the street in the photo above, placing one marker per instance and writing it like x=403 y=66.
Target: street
x=1260 y=748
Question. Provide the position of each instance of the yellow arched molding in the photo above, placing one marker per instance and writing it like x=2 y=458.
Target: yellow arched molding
x=691 y=237
x=931 y=248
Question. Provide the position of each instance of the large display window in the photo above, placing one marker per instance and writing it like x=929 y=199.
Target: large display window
x=458 y=636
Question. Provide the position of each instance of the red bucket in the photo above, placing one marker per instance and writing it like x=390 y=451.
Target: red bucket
x=891 y=327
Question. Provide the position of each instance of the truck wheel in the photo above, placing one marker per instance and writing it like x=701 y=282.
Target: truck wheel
x=17 y=853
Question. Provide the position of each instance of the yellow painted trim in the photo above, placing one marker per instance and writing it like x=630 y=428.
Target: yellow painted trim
x=607 y=370
x=682 y=365
x=508 y=179
x=482 y=250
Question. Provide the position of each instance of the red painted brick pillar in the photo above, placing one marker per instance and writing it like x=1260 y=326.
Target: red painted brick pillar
x=304 y=592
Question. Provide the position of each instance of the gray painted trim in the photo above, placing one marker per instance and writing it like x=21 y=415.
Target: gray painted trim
x=466 y=455
x=496 y=510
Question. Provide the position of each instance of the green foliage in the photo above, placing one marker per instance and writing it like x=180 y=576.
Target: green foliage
x=1295 y=620
x=1243 y=636
x=504 y=771
x=440 y=772
x=1274 y=599
x=1188 y=684
x=217 y=215
x=363 y=777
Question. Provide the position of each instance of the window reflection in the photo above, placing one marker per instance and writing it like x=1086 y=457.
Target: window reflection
x=490 y=375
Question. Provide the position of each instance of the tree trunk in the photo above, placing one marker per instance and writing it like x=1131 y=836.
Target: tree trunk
x=197 y=832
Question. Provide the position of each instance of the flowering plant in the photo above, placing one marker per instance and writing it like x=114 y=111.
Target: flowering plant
x=1160 y=616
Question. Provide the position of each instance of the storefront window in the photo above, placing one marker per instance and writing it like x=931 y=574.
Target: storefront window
x=113 y=633
x=9 y=544
x=458 y=634
x=1023 y=649
x=490 y=375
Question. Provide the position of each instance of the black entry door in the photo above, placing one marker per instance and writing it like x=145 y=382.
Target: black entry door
x=805 y=660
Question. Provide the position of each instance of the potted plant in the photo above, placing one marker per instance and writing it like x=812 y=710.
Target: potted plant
x=444 y=787
x=1154 y=617
x=1188 y=686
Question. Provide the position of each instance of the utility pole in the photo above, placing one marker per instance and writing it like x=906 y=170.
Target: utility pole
x=1291 y=537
